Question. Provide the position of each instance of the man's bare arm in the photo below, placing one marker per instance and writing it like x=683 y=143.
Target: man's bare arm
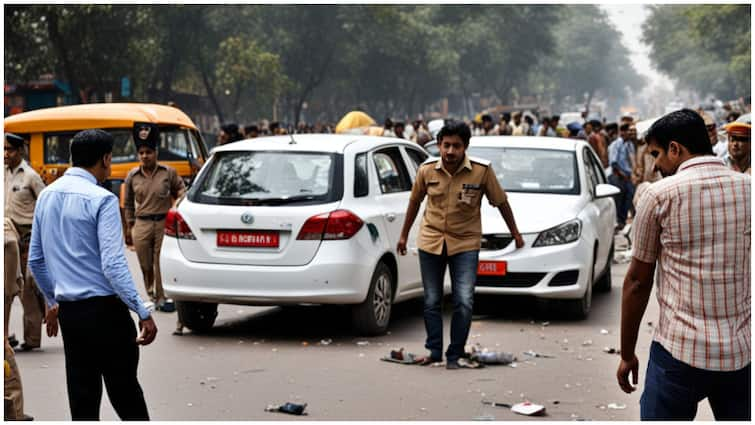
x=638 y=284
x=411 y=214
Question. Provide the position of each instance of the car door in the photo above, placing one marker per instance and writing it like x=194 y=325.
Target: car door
x=605 y=207
x=395 y=184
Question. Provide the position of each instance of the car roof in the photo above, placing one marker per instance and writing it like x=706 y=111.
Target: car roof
x=336 y=143
x=554 y=143
x=95 y=115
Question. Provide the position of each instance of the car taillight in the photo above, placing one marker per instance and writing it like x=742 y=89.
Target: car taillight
x=337 y=225
x=176 y=227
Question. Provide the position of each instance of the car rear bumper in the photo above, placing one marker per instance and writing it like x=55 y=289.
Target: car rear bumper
x=340 y=273
x=531 y=271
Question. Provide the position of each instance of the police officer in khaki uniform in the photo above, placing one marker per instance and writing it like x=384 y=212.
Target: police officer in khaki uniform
x=14 y=281
x=450 y=234
x=738 y=155
x=151 y=189
x=22 y=188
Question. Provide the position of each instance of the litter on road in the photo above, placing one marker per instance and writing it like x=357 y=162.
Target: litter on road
x=540 y=355
x=611 y=350
x=525 y=408
x=617 y=406
x=289 y=408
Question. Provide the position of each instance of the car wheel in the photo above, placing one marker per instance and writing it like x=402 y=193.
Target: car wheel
x=604 y=283
x=198 y=317
x=372 y=316
x=580 y=308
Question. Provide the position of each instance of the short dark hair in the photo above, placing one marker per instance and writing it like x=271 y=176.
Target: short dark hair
x=487 y=117
x=624 y=127
x=399 y=124
x=685 y=127
x=89 y=146
x=612 y=126
x=456 y=128
x=251 y=128
x=556 y=118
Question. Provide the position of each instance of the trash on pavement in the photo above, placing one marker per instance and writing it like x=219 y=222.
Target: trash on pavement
x=604 y=331
x=611 y=350
x=617 y=406
x=485 y=356
x=540 y=355
x=525 y=408
x=484 y=418
x=400 y=356
x=363 y=343
x=326 y=341
x=587 y=343
x=469 y=364
x=545 y=323
x=290 y=408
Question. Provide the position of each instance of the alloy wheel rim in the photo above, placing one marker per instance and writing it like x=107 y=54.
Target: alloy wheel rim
x=382 y=299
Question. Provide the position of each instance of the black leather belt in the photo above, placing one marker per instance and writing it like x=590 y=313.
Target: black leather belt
x=153 y=217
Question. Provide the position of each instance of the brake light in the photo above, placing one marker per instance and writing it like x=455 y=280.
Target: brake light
x=337 y=225
x=176 y=227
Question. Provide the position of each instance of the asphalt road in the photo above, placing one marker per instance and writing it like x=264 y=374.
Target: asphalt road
x=259 y=356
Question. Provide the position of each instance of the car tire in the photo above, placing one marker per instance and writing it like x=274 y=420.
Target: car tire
x=199 y=317
x=604 y=283
x=580 y=308
x=372 y=316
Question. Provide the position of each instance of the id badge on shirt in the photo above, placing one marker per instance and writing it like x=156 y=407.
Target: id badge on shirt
x=468 y=193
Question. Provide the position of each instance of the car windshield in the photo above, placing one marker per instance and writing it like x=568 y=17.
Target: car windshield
x=268 y=178
x=532 y=170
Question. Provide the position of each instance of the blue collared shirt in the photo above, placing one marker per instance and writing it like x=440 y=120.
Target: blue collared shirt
x=76 y=247
x=619 y=152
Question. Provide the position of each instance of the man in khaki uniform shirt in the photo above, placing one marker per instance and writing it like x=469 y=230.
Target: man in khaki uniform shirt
x=22 y=188
x=150 y=191
x=450 y=234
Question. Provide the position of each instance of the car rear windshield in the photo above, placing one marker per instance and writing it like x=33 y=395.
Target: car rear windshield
x=270 y=178
x=532 y=170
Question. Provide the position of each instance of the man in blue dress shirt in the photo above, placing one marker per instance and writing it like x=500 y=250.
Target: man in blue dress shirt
x=77 y=258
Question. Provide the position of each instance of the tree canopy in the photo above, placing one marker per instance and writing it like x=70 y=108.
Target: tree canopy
x=319 y=61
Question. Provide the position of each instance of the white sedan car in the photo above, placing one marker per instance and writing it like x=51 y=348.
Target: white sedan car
x=565 y=212
x=303 y=219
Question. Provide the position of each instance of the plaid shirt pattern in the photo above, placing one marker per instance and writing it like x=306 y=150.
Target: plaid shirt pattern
x=696 y=224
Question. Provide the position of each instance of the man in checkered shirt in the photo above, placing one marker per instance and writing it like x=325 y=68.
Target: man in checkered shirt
x=695 y=225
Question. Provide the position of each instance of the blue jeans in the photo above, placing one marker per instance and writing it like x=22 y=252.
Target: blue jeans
x=623 y=199
x=673 y=389
x=463 y=268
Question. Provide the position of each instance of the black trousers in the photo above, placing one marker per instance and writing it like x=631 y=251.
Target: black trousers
x=99 y=339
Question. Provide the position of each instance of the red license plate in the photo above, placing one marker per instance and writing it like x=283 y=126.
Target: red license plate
x=491 y=268
x=248 y=239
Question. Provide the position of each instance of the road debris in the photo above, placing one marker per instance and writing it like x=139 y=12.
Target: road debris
x=289 y=408
x=539 y=355
x=525 y=408
x=617 y=406
x=544 y=324
x=484 y=418
x=305 y=344
x=363 y=343
x=604 y=331
x=326 y=341
x=402 y=357
x=611 y=350
x=483 y=355
x=587 y=343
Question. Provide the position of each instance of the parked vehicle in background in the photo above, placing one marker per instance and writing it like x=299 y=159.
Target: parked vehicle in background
x=49 y=132
x=301 y=219
x=565 y=212
x=570 y=117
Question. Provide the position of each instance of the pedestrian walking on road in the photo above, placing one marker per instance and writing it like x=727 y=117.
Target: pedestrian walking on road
x=151 y=190
x=22 y=188
x=620 y=154
x=693 y=226
x=450 y=234
x=77 y=256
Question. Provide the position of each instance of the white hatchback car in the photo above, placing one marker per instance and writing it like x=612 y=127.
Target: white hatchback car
x=563 y=208
x=303 y=219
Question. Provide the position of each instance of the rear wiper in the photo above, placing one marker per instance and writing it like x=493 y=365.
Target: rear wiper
x=278 y=201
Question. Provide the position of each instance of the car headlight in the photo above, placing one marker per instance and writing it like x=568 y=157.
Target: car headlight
x=564 y=233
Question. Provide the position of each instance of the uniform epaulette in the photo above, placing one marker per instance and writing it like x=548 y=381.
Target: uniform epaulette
x=480 y=161
x=132 y=172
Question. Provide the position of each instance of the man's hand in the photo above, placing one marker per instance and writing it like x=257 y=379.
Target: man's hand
x=401 y=246
x=519 y=241
x=625 y=368
x=148 y=331
x=51 y=320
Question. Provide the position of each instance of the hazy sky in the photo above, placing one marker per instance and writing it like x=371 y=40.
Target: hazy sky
x=628 y=19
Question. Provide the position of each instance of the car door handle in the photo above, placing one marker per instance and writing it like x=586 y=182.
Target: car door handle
x=390 y=217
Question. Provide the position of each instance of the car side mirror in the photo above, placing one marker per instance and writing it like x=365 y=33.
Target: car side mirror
x=603 y=190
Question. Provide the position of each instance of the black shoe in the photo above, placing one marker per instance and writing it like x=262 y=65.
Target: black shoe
x=12 y=341
x=452 y=364
x=24 y=347
x=27 y=418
